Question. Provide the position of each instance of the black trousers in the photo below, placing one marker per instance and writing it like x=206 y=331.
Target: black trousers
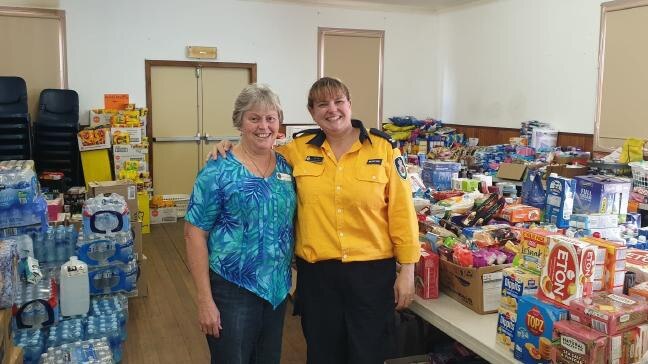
x=347 y=310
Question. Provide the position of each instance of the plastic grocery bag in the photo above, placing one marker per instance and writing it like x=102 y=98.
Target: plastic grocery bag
x=533 y=193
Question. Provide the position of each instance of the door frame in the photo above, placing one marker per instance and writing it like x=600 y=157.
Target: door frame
x=322 y=32
x=148 y=63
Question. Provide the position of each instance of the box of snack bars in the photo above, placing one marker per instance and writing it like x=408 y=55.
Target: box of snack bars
x=637 y=262
x=516 y=283
x=506 y=319
x=626 y=347
x=567 y=273
x=533 y=249
x=578 y=344
x=609 y=313
x=534 y=329
x=639 y=290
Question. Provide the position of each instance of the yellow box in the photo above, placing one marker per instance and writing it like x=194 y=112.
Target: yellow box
x=144 y=211
x=96 y=166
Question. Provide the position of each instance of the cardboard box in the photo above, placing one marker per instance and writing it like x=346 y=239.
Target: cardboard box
x=93 y=139
x=512 y=171
x=476 y=288
x=602 y=194
x=123 y=153
x=98 y=118
x=427 y=275
x=567 y=171
x=5 y=331
x=144 y=211
x=163 y=215
x=12 y=354
x=534 y=330
x=126 y=188
x=137 y=236
x=134 y=135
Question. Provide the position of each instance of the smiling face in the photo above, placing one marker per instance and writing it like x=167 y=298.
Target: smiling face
x=259 y=127
x=332 y=113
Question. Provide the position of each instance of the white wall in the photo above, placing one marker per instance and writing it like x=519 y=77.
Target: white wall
x=109 y=41
x=507 y=61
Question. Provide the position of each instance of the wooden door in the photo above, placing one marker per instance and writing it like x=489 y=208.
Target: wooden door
x=174 y=128
x=220 y=87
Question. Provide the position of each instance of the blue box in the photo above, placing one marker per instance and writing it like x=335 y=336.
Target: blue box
x=602 y=194
x=534 y=329
x=559 y=201
x=438 y=175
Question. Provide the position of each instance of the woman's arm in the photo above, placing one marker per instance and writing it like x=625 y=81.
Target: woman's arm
x=198 y=260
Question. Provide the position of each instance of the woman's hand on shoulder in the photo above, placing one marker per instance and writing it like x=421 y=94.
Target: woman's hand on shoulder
x=220 y=149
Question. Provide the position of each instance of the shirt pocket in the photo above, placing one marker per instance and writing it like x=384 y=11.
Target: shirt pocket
x=308 y=179
x=372 y=182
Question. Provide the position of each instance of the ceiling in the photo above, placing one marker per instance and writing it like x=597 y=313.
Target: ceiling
x=427 y=6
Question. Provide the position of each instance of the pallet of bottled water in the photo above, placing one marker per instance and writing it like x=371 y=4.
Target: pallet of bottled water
x=90 y=351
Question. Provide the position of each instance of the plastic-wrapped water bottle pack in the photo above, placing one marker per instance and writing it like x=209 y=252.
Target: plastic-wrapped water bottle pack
x=106 y=214
x=56 y=245
x=66 y=332
x=114 y=278
x=110 y=304
x=32 y=341
x=101 y=249
x=36 y=304
x=95 y=351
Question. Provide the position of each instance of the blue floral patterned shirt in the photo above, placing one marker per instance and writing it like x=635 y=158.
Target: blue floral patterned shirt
x=250 y=224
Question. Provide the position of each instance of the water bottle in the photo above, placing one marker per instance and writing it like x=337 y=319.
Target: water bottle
x=50 y=246
x=75 y=288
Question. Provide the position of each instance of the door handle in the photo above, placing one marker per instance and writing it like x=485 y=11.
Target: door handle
x=219 y=138
x=206 y=138
x=177 y=139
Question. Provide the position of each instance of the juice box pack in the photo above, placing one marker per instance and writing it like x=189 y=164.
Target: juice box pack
x=609 y=313
x=601 y=194
x=578 y=344
x=559 y=201
x=534 y=330
x=516 y=283
x=567 y=274
x=427 y=275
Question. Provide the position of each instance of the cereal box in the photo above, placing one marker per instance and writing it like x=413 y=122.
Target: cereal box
x=533 y=249
x=516 y=283
x=534 y=329
x=609 y=313
x=506 y=327
x=567 y=274
x=578 y=344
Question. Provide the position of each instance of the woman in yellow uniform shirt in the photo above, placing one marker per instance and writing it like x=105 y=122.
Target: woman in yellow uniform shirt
x=355 y=220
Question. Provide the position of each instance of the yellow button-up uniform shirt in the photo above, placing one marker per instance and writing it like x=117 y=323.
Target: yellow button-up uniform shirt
x=358 y=208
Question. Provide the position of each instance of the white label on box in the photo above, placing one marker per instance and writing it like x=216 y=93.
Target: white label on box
x=132 y=192
x=495 y=276
x=134 y=134
x=492 y=293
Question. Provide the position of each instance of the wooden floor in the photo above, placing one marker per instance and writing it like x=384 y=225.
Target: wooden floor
x=162 y=327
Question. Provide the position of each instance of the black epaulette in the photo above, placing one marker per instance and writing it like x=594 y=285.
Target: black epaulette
x=306 y=132
x=383 y=135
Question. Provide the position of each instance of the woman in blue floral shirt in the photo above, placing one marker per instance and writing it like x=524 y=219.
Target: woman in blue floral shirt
x=239 y=235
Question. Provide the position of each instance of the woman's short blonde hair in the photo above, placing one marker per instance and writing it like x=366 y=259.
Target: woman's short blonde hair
x=327 y=88
x=255 y=95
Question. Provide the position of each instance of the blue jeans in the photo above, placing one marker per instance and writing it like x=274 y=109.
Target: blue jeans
x=252 y=329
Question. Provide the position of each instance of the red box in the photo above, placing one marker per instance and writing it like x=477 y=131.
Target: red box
x=54 y=207
x=426 y=275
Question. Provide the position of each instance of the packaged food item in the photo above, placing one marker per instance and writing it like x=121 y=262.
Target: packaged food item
x=506 y=327
x=533 y=251
x=625 y=347
x=639 y=290
x=520 y=213
x=609 y=313
x=578 y=344
x=637 y=262
x=594 y=221
x=516 y=283
x=615 y=263
x=427 y=275
x=559 y=200
x=567 y=273
x=534 y=329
